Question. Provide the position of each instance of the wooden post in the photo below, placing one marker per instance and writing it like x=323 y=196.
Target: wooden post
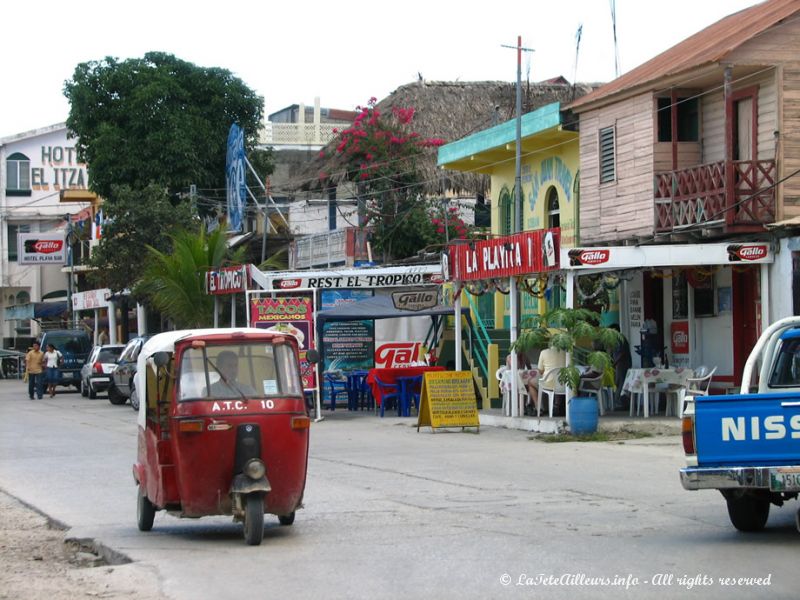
x=730 y=180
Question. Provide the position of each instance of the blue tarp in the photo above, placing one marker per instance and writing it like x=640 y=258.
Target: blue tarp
x=35 y=310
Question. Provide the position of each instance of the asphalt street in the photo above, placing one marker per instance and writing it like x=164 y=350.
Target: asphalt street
x=393 y=513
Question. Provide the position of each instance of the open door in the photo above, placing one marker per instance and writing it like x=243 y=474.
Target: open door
x=746 y=305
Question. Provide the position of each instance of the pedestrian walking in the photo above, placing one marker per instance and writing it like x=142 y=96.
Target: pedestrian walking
x=34 y=367
x=52 y=360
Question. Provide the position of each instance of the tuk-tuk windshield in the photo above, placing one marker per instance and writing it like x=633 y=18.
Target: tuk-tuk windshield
x=252 y=370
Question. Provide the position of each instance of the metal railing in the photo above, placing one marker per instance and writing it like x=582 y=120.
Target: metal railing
x=479 y=339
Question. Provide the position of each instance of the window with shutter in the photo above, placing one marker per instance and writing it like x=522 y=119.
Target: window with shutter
x=607 y=171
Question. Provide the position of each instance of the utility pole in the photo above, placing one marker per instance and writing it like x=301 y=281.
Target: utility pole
x=513 y=290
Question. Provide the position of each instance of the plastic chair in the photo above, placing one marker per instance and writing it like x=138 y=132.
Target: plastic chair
x=337 y=386
x=388 y=391
x=551 y=393
x=593 y=386
x=502 y=374
x=701 y=382
x=415 y=391
x=699 y=385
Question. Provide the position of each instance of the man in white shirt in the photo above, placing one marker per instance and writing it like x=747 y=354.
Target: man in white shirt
x=228 y=387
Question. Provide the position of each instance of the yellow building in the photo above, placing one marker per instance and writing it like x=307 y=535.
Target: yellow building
x=549 y=177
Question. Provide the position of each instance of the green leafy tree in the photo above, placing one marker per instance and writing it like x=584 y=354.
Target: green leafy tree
x=136 y=219
x=571 y=330
x=379 y=153
x=157 y=119
x=174 y=281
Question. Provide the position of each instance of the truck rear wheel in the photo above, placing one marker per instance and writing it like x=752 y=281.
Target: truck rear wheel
x=748 y=512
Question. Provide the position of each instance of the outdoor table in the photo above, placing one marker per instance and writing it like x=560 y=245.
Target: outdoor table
x=638 y=381
x=391 y=375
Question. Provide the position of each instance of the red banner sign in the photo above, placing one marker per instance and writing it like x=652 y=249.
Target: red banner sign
x=679 y=337
x=523 y=253
x=227 y=280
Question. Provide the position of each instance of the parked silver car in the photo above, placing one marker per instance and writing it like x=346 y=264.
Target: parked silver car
x=96 y=373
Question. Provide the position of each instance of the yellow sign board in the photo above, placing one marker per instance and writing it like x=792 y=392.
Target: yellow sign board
x=447 y=399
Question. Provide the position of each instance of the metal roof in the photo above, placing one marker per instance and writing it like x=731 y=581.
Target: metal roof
x=705 y=47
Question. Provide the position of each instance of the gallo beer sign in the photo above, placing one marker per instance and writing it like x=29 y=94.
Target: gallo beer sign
x=41 y=249
x=679 y=337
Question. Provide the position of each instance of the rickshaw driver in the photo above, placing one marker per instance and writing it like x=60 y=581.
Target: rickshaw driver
x=227 y=386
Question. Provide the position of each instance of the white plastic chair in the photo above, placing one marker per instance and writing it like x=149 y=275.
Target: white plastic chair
x=523 y=397
x=699 y=385
x=701 y=382
x=551 y=393
x=593 y=386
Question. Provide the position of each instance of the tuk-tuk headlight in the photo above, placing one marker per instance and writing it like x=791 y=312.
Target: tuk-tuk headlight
x=255 y=468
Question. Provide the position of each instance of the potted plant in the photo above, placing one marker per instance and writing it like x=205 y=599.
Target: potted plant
x=574 y=331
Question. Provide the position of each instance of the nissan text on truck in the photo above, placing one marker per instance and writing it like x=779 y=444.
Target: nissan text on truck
x=747 y=446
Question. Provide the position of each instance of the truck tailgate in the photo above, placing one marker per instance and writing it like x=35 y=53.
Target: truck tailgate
x=751 y=429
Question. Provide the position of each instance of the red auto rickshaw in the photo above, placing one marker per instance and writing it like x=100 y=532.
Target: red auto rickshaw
x=223 y=427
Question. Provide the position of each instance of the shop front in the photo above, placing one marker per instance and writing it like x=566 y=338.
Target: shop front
x=294 y=300
x=682 y=306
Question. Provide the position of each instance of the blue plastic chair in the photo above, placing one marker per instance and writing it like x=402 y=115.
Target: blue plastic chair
x=337 y=387
x=389 y=391
x=362 y=394
x=415 y=390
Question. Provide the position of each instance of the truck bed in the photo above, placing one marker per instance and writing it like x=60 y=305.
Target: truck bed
x=750 y=429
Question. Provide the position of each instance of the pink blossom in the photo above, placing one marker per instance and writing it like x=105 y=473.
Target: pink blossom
x=322 y=153
x=364 y=175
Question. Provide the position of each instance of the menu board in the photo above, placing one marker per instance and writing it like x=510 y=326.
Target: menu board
x=448 y=400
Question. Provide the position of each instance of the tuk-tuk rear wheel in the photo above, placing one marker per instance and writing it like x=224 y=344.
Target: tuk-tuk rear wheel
x=286 y=519
x=145 y=511
x=254 y=519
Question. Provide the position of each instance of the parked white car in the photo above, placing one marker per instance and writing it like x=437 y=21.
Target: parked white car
x=96 y=373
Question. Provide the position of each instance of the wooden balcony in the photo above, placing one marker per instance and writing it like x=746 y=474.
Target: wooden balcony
x=738 y=196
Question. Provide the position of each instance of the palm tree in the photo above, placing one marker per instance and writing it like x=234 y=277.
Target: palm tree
x=175 y=282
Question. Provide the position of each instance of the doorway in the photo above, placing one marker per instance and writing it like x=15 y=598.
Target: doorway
x=746 y=308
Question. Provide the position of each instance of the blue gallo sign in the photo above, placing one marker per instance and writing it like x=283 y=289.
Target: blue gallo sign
x=235 y=178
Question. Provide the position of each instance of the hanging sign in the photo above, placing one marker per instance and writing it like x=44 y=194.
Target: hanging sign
x=667 y=255
x=227 y=280
x=523 y=253
x=41 y=249
x=415 y=300
x=236 y=184
x=447 y=399
x=679 y=337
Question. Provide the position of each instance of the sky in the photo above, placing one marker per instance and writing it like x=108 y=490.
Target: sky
x=343 y=52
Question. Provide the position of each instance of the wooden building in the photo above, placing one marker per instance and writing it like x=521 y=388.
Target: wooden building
x=701 y=141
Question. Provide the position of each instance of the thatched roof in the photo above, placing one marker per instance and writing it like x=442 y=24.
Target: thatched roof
x=452 y=110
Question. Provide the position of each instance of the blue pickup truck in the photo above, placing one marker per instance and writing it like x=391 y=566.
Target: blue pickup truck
x=747 y=446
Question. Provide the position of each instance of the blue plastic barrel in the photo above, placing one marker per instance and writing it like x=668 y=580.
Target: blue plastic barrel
x=583 y=415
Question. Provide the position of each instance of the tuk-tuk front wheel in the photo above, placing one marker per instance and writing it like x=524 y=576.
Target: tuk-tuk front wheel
x=145 y=511
x=254 y=519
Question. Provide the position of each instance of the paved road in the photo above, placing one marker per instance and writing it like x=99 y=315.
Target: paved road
x=392 y=513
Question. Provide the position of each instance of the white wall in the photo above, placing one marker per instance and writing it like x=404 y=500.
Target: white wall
x=54 y=166
x=710 y=338
x=780 y=280
x=312 y=217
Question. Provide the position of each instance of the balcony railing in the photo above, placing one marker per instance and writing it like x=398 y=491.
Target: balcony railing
x=738 y=194
x=298 y=134
x=340 y=247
